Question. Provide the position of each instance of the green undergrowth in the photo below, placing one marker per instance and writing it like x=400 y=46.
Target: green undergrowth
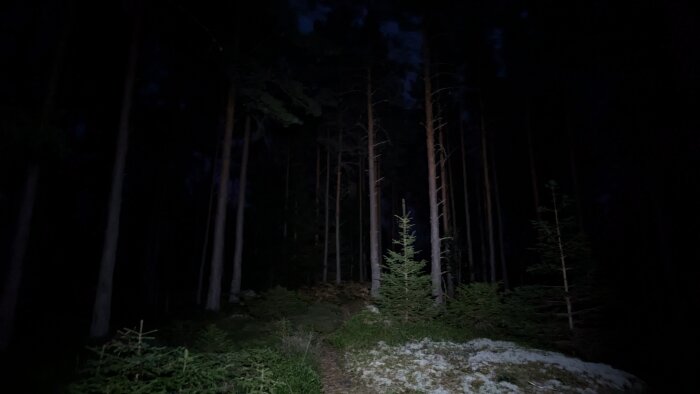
x=366 y=328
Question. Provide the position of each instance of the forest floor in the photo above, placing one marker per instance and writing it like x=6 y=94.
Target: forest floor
x=422 y=365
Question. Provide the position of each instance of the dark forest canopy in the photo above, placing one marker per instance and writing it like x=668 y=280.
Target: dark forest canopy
x=600 y=96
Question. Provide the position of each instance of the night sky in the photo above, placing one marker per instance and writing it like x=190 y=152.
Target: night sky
x=606 y=93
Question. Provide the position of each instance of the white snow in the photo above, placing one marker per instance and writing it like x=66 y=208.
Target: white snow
x=481 y=366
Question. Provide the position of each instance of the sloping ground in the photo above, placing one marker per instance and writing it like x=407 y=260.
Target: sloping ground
x=481 y=366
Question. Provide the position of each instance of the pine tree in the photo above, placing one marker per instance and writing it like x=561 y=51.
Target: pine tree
x=406 y=289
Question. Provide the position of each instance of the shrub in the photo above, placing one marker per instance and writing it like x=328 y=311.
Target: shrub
x=277 y=303
x=478 y=308
x=212 y=339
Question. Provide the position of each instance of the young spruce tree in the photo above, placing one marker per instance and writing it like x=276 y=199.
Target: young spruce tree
x=560 y=243
x=406 y=288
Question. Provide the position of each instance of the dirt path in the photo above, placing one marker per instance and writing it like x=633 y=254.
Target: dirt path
x=334 y=378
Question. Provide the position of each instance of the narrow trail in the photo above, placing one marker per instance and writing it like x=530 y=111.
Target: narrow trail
x=334 y=378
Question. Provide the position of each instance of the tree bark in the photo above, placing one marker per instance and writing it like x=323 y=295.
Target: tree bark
x=372 y=188
x=103 y=297
x=487 y=200
x=360 y=197
x=446 y=214
x=318 y=193
x=467 y=216
x=325 y=231
x=217 y=259
x=499 y=218
x=240 y=217
x=337 y=206
x=435 y=264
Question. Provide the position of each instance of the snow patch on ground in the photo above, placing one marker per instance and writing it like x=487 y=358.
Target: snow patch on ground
x=481 y=366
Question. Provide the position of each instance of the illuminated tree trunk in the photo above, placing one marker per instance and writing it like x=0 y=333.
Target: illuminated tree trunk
x=467 y=216
x=339 y=174
x=217 y=258
x=435 y=264
x=499 y=219
x=446 y=213
x=240 y=217
x=372 y=188
x=103 y=297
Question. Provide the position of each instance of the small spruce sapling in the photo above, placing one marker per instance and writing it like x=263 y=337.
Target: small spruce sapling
x=559 y=243
x=405 y=291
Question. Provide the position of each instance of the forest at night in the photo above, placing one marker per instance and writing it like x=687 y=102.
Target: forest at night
x=306 y=196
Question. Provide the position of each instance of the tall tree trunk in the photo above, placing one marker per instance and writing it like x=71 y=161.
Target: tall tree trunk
x=337 y=206
x=325 y=231
x=467 y=216
x=372 y=188
x=13 y=279
x=205 y=246
x=487 y=199
x=482 y=238
x=240 y=217
x=286 y=195
x=318 y=193
x=453 y=221
x=380 y=233
x=435 y=264
x=499 y=218
x=217 y=257
x=103 y=297
x=446 y=214
x=360 y=197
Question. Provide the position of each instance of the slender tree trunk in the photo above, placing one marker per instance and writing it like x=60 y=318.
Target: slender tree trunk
x=205 y=246
x=217 y=258
x=467 y=216
x=435 y=264
x=103 y=297
x=318 y=193
x=337 y=206
x=378 y=177
x=286 y=195
x=360 y=197
x=482 y=238
x=325 y=231
x=499 y=218
x=453 y=216
x=240 y=217
x=10 y=291
x=372 y=188
x=446 y=214
x=487 y=200
x=562 y=257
